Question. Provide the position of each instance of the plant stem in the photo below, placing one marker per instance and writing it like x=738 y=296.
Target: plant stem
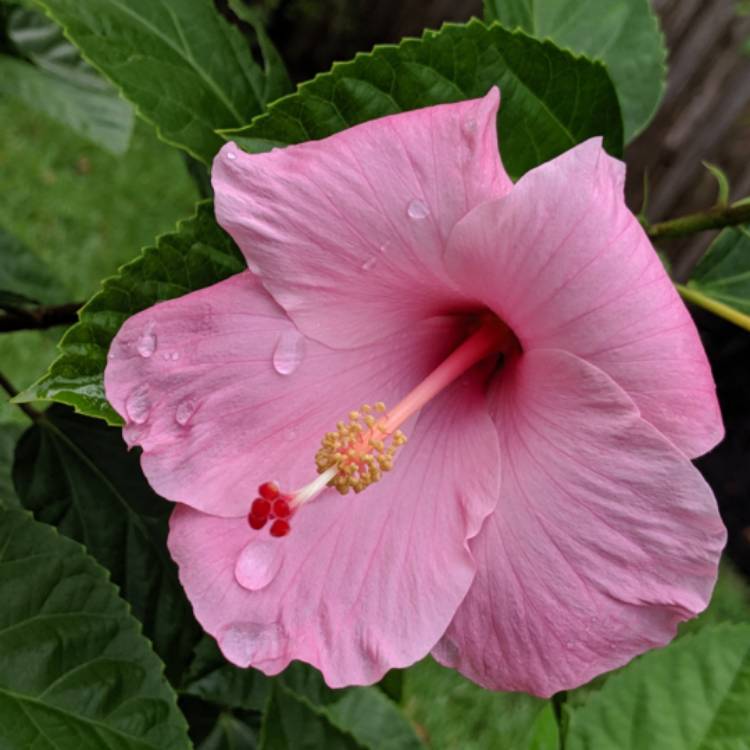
x=29 y=411
x=713 y=218
x=40 y=317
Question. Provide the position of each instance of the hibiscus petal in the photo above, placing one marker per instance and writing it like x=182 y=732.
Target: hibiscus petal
x=604 y=538
x=564 y=262
x=199 y=382
x=348 y=232
x=361 y=584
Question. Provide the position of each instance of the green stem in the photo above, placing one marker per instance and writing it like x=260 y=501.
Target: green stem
x=715 y=218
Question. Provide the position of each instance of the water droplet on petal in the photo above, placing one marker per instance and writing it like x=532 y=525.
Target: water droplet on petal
x=138 y=404
x=146 y=344
x=290 y=434
x=258 y=563
x=231 y=155
x=135 y=434
x=369 y=263
x=184 y=412
x=384 y=247
x=245 y=643
x=418 y=210
x=289 y=352
x=174 y=356
x=469 y=128
x=448 y=650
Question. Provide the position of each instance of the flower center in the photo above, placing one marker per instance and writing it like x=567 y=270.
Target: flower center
x=358 y=452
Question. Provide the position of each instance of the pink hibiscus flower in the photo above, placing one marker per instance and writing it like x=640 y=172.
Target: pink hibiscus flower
x=543 y=523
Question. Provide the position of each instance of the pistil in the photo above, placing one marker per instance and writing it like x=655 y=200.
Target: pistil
x=356 y=454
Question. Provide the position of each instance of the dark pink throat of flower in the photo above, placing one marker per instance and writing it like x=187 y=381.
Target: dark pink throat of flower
x=358 y=452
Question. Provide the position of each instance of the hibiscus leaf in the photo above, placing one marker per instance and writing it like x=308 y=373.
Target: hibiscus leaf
x=196 y=255
x=214 y=680
x=624 y=34
x=229 y=733
x=75 y=671
x=62 y=87
x=9 y=434
x=76 y=474
x=453 y=709
x=551 y=99
x=721 y=281
x=299 y=709
x=99 y=116
x=185 y=68
x=693 y=693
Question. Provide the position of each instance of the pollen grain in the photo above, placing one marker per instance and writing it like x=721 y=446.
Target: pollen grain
x=362 y=449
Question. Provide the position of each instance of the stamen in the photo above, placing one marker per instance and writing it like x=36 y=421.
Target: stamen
x=358 y=452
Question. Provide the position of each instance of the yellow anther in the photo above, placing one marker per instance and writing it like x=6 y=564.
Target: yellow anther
x=361 y=449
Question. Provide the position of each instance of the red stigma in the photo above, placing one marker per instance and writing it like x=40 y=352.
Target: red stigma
x=256 y=522
x=281 y=508
x=269 y=490
x=273 y=506
x=261 y=507
x=280 y=527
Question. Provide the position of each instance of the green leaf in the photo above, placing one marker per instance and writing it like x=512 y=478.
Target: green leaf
x=196 y=255
x=96 y=115
x=24 y=277
x=229 y=733
x=721 y=281
x=375 y=721
x=75 y=671
x=62 y=87
x=300 y=710
x=41 y=40
x=278 y=83
x=185 y=68
x=9 y=434
x=291 y=724
x=214 y=680
x=551 y=99
x=624 y=34
x=459 y=715
x=76 y=474
x=691 y=695
x=362 y=719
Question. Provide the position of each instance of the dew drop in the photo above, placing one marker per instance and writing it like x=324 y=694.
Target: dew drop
x=245 y=643
x=146 y=344
x=290 y=434
x=289 y=352
x=231 y=155
x=174 y=356
x=384 y=247
x=469 y=128
x=417 y=210
x=184 y=412
x=448 y=650
x=138 y=404
x=369 y=263
x=258 y=563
